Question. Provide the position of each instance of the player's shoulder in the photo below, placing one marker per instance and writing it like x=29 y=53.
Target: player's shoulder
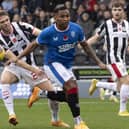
x=126 y=24
x=107 y=21
x=126 y=21
x=22 y=25
x=1 y=37
x=19 y=23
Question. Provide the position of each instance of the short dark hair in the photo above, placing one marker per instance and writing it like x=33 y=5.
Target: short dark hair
x=59 y=7
x=117 y=3
x=3 y=13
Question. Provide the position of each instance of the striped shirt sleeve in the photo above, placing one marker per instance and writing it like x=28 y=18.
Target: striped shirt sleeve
x=101 y=30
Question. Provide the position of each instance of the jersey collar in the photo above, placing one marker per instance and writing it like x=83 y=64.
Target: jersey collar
x=61 y=30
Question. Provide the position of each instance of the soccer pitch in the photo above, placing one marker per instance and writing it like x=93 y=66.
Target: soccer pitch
x=96 y=113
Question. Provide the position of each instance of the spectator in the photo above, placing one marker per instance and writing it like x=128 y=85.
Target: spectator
x=102 y=6
x=42 y=21
x=7 y=4
x=81 y=8
x=94 y=13
x=34 y=4
x=16 y=18
x=89 y=4
x=106 y=14
x=15 y=9
x=23 y=12
x=68 y=5
x=36 y=15
x=29 y=18
x=86 y=23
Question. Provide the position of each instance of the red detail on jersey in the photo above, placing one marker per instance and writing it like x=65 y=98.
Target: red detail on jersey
x=65 y=37
x=14 y=40
x=114 y=66
x=34 y=76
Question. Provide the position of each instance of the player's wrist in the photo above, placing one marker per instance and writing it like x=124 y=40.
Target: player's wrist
x=16 y=60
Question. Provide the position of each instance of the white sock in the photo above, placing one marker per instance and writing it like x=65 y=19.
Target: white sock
x=54 y=108
x=77 y=120
x=124 y=95
x=7 y=98
x=107 y=85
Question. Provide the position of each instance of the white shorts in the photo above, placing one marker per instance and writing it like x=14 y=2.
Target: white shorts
x=117 y=70
x=31 y=78
x=58 y=73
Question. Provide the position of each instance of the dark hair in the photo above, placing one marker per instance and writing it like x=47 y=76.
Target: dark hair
x=117 y=3
x=3 y=13
x=59 y=7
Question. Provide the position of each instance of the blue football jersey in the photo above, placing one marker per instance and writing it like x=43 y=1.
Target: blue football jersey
x=61 y=44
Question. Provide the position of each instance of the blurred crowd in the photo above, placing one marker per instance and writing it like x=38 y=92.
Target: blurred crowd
x=88 y=13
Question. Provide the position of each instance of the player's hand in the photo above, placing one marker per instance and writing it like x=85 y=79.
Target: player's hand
x=102 y=65
x=39 y=71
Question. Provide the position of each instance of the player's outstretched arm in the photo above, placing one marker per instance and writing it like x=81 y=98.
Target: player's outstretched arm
x=90 y=51
x=9 y=55
x=30 y=47
x=92 y=40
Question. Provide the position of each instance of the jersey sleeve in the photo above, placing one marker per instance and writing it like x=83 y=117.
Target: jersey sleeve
x=43 y=37
x=28 y=30
x=26 y=27
x=3 y=46
x=101 y=30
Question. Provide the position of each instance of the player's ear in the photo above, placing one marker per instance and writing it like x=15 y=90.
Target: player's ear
x=55 y=17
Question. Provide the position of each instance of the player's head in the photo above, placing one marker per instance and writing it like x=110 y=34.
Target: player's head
x=62 y=17
x=4 y=21
x=117 y=10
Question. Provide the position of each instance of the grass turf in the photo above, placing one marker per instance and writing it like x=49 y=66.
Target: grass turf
x=97 y=114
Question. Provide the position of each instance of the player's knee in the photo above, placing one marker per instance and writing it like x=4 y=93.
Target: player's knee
x=71 y=86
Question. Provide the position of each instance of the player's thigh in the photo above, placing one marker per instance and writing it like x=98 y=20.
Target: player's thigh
x=57 y=73
x=32 y=79
x=9 y=75
x=117 y=70
x=124 y=80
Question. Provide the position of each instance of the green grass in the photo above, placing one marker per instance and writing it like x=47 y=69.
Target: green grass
x=97 y=114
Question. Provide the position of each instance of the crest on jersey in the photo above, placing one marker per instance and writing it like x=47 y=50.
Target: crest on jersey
x=73 y=34
x=14 y=40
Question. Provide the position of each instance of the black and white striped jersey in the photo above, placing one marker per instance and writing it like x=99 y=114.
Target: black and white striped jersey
x=116 y=39
x=18 y=40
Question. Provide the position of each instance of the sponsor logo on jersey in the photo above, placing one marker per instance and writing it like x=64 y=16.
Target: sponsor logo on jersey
x=66 y=47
